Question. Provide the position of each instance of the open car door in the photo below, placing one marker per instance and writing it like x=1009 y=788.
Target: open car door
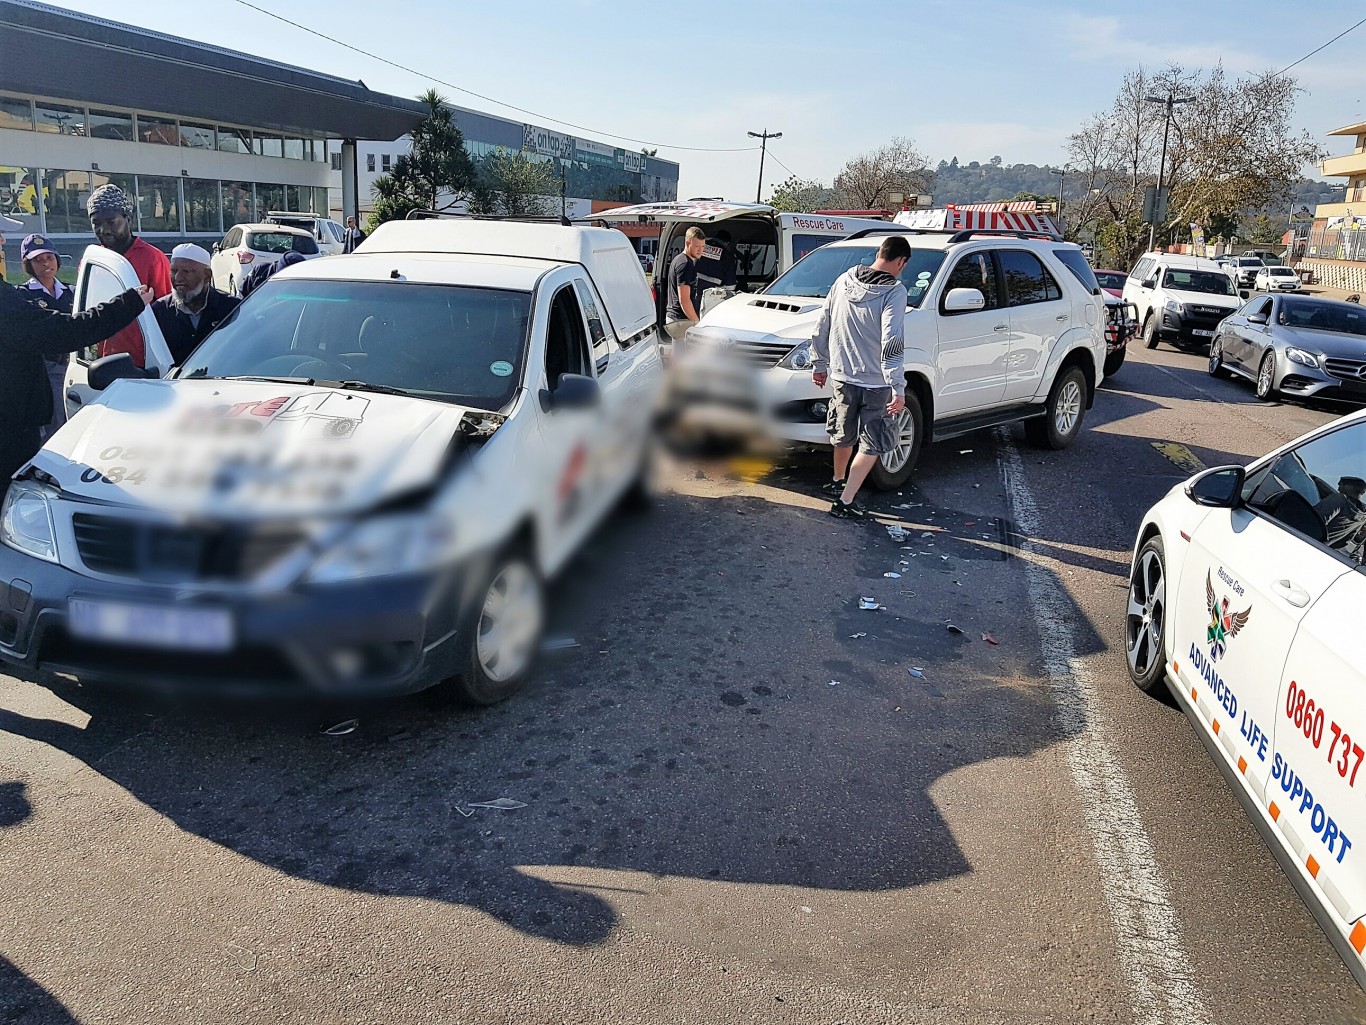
x=102 y=275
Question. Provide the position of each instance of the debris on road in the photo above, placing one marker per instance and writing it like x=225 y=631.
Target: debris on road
x=498 y=804
x=342 y=728
x=917 y=672
x=861 y=633
x=834 y=683
x=869 y=604
x=990 y=639
x=954 y=629
x=896 y=532
x=558 y=644
x=965 y=451
x=462 y=811
x=892 y=575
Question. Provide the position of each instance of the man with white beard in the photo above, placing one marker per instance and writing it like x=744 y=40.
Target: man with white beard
x=194 y=307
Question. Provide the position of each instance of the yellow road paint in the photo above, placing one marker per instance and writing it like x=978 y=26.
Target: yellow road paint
x=751 y=471
x=1180 y=455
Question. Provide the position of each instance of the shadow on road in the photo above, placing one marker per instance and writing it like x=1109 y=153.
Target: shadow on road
x=693 y=733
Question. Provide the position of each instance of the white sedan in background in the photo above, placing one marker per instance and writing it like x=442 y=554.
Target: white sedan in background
x=1245 y=600
x=1276 y=279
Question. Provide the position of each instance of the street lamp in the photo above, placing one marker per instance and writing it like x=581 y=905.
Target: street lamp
x=1170 y=100
x=1061 y=172
x=765 y=135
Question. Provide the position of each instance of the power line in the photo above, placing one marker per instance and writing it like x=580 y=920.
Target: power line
x=1323 y=47
x=490 y=99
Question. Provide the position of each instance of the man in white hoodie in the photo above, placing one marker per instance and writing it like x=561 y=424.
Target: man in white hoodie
x=860 y=348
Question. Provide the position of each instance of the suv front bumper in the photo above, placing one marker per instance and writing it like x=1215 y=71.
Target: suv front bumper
x=775 y=403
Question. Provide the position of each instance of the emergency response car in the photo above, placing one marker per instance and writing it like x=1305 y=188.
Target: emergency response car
x=356 y=484
x=1005 y=323
x=1245 y=599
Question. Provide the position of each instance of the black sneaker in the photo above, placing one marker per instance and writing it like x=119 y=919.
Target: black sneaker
x=833 y=487
x=852 y=511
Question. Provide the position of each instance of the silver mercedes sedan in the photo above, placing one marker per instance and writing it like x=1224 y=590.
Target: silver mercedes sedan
x=1294 y=346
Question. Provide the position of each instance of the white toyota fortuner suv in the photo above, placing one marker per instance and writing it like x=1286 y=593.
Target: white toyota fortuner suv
x=1000 y=326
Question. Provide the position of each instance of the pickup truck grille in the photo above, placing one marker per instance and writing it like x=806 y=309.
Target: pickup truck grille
x=179 y=554
x=1347 y=369
x=760 y=354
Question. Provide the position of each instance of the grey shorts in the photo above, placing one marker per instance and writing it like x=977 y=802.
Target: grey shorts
x=861 y=413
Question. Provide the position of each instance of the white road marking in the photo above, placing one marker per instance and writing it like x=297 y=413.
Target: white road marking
x=1146 y=925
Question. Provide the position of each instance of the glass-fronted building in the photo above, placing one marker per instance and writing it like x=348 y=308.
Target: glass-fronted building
x=202 y=137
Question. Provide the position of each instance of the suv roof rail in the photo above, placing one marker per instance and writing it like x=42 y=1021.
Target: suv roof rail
x=891 y=229
x=967 y=233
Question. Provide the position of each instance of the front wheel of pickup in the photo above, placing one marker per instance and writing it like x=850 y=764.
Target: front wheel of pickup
x=1061 y=421
x=893 y=470
x=506 y=632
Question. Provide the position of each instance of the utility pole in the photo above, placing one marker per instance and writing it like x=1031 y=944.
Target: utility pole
x=1170 y=100
x=1061 y=172
x=764 y=136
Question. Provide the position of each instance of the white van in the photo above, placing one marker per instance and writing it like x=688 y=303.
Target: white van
x=766 y=243
x=1180 y=299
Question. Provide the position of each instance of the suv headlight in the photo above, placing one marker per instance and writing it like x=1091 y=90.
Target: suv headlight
x=1300 y=356
x=389 y=545
x=802 y=357
x=1175 y=307
x=26 y=521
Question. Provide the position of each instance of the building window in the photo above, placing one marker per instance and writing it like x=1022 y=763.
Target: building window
x=268 y=145
x=370 y=162
x=386 y=163
x=202 y=205
x=58 y=119
x=159 y=203
x=108 y=124
x=336 y=161
x=269 y=197
x=321 y=205
x=239 y=204
x=197 y=136
x=16 y=113
x=19 y=196
x=233 y=140
x=157 y=130
x=294 y=149
x=65 y=193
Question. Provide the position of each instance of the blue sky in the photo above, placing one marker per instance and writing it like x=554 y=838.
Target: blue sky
x=965 y=78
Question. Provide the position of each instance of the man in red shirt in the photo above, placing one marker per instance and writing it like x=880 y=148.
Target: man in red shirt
x=111 y=217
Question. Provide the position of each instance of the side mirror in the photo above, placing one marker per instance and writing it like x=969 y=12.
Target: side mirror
x=574 y=391
x=1243 y=293
x=1219 y=488
x=118 y=367
x=215 y=247
x=964 y=300
x=1257 y=318
x=1150 y=283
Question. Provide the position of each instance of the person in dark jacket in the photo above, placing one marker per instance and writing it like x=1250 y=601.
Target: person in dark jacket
x=260 y=274
x=194 y=307
x=29 y=330
x=41 y=262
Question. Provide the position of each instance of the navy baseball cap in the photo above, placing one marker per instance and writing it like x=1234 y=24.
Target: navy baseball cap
x=36 y=245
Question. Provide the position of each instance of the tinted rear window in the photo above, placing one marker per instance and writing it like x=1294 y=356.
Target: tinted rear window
x=1076 y=263
x=281 y=242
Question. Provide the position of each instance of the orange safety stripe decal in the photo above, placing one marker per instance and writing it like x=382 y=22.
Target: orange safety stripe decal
x=1358 y=937
x=1313 y=865
x=1275 y=812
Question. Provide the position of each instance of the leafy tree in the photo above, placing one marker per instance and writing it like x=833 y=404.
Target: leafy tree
x=514 y=185
x=800 y=195
x=1263 y=231
x=867 y=181
x=435 y=174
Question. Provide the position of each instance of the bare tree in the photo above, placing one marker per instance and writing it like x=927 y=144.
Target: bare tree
x=868 y=180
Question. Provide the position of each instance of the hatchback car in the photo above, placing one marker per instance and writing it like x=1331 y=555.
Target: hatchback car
x=1276 y=279
x=246 y=245
x=1245 y=597
x=1112 y=281
x=1296 y=346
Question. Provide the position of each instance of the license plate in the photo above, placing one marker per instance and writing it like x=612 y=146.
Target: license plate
x=155 y=626
x=1201 y=333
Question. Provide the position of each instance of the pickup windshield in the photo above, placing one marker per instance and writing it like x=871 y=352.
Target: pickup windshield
x=1207 y=281
x=817 y=271
x=451 y=343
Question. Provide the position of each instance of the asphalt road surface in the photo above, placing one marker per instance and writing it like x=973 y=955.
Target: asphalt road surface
x=738 y=803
